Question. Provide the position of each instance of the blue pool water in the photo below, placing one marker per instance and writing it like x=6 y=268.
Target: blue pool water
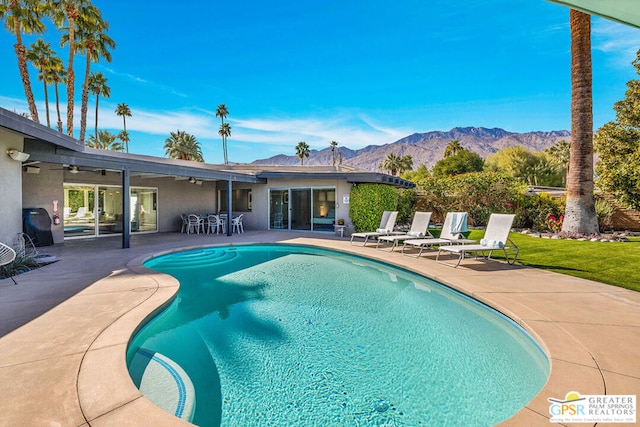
x=274 y=335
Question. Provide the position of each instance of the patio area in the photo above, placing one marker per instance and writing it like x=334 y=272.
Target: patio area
x=65 y=327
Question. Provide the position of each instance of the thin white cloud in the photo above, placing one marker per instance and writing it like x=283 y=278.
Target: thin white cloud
x=615 y=38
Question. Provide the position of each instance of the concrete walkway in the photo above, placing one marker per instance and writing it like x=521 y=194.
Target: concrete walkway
x=64 y=329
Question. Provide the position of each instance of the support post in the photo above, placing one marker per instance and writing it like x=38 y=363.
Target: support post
x=229 y=207
x=126 y=208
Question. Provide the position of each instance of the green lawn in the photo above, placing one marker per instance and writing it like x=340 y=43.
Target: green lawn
x=615 y=263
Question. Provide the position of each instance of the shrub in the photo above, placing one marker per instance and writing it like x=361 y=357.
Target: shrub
x=406 y=205
x=480 y=194
x=368 y=201
x=554 y=224
x=604 y=212
x=537 y=208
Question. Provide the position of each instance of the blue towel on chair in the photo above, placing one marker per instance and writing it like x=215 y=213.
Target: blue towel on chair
x=458 y=222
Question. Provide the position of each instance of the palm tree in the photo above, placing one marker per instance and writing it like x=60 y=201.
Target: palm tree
x=58 y=74
x=40 y=56
x=65 y=14
x=333 y=145
x=105 y=141
x=95 y=44
x=124 y=111
x=302 y=151
x=225 y=132
x=580 y=214
x=222 y=112
x=561 y=153
x=391 y=163
x=181 y=145
x=23 y=16
x=124 y=137
x=97 y=84
x=405 y=163
x=452 y=148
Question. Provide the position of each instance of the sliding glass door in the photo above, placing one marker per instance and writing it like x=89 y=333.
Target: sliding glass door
x=301 y=209
x=86 y=206
x=311 y=209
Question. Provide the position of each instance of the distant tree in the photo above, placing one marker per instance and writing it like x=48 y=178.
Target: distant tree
x=124 y=137
x=40 y=55
x=405 y=164
x=580 y=212
x=223 y=112
x=97 y=84
x=58 y=74
x=334 y=146
x=302 y=151
x=561 y=152
x=417 y=175
x=532 y=168
x=94 y=42
x=23 y=17
x=391 y=163
x=453 y=148
x=69 y=16
x=181 y=145
x=618 y=146
x=225 y=132
x=104 y=141
x=463 y=161
x=124 y=111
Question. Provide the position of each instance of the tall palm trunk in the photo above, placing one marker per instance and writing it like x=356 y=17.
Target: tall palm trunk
x=58 y=107
x=46 y=98
x=21 y=52
x=580 y=213
x=97 y=100
x=71 y=15
x=85 y=99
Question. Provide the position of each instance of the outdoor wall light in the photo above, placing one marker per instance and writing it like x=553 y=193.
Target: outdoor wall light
x=192 y=180
x=18 y=156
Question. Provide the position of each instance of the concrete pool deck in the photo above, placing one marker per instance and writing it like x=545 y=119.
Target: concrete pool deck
x=65 y=327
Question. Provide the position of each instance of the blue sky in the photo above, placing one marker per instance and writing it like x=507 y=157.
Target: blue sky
x=357 y=72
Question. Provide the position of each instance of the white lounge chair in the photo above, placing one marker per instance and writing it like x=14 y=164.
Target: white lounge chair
x=387 y=224
x=496 y=237
x=7 y=255
x=455 y=223
x=418 y=230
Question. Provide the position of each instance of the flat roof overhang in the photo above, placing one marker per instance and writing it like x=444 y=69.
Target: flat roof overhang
x=351 y=177
x=44 y=144
x=623 y=11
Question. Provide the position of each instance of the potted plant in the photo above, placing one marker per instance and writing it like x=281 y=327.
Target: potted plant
x=340 y=221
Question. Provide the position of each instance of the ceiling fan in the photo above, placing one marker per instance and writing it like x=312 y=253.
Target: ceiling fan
x=75 y=169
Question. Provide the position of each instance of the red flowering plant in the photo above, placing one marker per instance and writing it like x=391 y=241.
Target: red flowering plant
x=554 y=224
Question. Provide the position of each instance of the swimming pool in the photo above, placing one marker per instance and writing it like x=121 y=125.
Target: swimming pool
x=293 y=335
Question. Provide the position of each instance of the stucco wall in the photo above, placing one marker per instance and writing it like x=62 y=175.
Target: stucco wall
x=10 y=188
x=260 y=196
x=41 y=189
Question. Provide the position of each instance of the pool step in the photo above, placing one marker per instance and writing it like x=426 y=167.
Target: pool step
x=164 y=382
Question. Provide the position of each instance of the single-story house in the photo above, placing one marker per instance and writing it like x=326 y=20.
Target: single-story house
x=52 y=179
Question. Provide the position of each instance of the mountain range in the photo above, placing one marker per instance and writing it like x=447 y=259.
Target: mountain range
x=427 y=148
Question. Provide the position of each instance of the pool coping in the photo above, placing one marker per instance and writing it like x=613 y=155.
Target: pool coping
x=583 y=346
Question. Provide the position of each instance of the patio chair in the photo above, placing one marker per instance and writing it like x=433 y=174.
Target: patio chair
x=7 y=256
x=496 y=237
x=185 y=223
x=455 y=223
x=213 y=224
x=387 y=224
x=236 y=224
x=195 y=224
x=419 y=226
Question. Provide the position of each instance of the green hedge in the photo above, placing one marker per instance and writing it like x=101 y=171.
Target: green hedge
x=368 y=201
